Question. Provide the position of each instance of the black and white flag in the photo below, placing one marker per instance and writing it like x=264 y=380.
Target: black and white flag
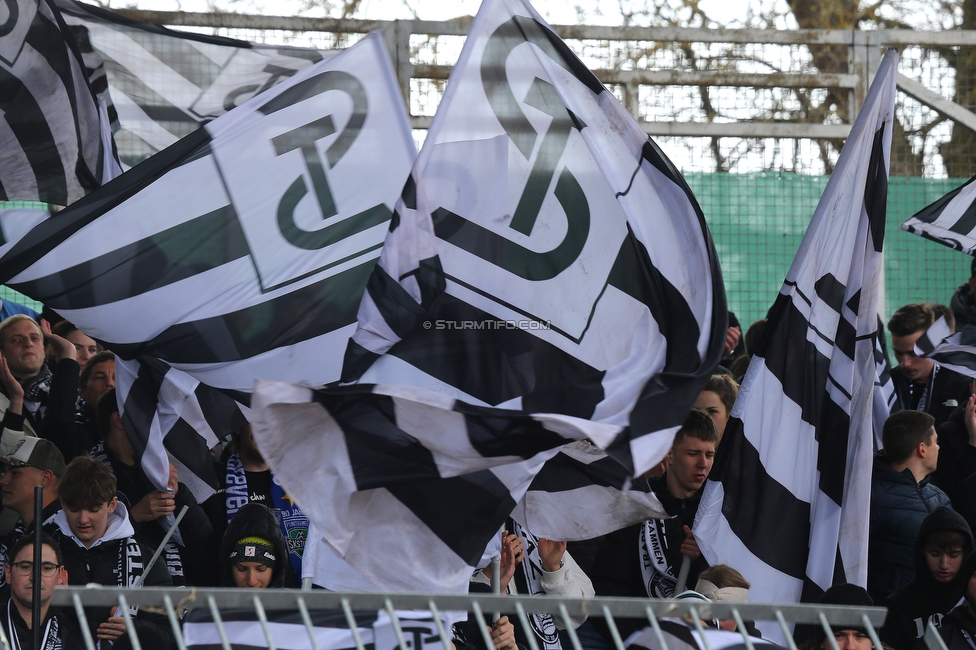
x=545 y=256
x=955 y=351
x=170 y=417
x=329 y=630
x=254 y=239
x=682 y=635
x=950 y=221
x=787 y=501
x=161 y=85
x=577 y=496
x=55 y=139
x=393 y=472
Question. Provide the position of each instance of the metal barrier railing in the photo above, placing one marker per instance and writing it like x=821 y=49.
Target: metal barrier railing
x=172 y=602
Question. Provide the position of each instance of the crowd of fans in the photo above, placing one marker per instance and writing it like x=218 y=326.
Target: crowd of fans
x=102 y=518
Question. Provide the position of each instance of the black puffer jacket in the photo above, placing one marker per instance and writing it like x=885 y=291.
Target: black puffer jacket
x=254 y=520
x=924 y=601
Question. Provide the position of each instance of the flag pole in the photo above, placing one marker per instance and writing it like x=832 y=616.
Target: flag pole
x=162 y=545
x=683 y=574
x=36 y=595
x=496 y=581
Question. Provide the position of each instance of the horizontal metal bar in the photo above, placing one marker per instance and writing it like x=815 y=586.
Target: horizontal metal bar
x=690 y=78
x=273 y=599
x=749 y=130
x=460 y=26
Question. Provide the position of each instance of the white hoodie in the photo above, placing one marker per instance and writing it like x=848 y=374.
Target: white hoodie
x=119 y=526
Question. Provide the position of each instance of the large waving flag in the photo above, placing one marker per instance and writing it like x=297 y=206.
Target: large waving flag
x=787 y=502
x=950 y=221
x=545 y=258
x=241 y=251
x=546 y=255
x=55 y=141
x=161 y=85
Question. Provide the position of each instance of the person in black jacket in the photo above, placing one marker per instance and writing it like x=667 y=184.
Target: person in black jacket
x=60 y=630
x=959 y=626
x=920 y=383
x=253 y=553
x=98 y=546
x=944 y=541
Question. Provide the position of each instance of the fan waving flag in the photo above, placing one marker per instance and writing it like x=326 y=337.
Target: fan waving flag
x=787 y=501
x=546 y=256
x=546 y=259
x=161 y=85
x=951 y=220
x=55 y=142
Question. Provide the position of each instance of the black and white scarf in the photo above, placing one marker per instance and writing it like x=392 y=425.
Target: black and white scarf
x=50 y=640
x=528 y=580
x=658 y=574
x=36 y=390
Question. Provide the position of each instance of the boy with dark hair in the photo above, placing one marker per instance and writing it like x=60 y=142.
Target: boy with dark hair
x=901 y=497
x=644 y=560
x=944 y=541
x=60 y=630
x=97 y=540
x=921 y=384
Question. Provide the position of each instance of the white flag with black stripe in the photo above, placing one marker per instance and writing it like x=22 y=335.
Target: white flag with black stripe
x=255 y=238
x=545 y=256
x=955 y=351
x=255 y=234
x=393 y=472
x=787 y=501
x=170 y=417
x=55 y=143
x=161 y=85
x=682 y=635
x=950 y=221
x=326 y=630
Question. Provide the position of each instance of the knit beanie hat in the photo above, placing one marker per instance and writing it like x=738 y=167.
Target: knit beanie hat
x=254 y=549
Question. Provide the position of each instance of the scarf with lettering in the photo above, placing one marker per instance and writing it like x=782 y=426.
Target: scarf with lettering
x=659 y=577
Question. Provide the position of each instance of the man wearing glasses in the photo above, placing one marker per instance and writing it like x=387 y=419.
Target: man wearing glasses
x=58 y=630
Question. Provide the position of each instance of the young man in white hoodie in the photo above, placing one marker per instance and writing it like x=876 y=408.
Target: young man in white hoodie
x=97 y=545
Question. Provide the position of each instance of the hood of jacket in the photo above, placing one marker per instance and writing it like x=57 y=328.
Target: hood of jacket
x=119 y=526
x=254 y=520
x=942 y=518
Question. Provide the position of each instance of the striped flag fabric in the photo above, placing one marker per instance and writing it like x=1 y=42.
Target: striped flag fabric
x=950 y=221
x=170 y=417
x=160 y=85
x=254 y=240
x=329 y=630
x=682 y=635
x=392 y=472
x=546 y=256
x=545 y=260
x=55 y=142
x=955 y=351
x=787 y=500
x=577 y=496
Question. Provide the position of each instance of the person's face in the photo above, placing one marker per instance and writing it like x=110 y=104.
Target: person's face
x=691 y=461
x=916 y=368
x=100 y=381
x=851 y=640
x=24 y=349
x=89 y=524
x=931 y=460
x=944 y=564
x=17 y=484
x=22 y=583
x=85 y=346
x=251 y=575
x=709 y=402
